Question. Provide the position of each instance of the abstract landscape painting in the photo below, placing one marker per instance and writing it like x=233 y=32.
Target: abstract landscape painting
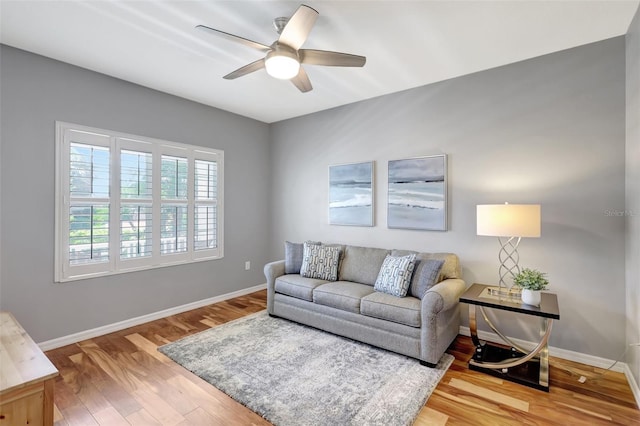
x=417 y=196
x=351 y=194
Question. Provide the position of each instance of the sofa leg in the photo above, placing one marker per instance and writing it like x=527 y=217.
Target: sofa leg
x=427 y=364
x=273 y=316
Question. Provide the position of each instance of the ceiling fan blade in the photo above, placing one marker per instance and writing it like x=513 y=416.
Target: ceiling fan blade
x=247 y=69
x=297 y=30
x=302 y=82
x=332 y=59
x=237 y=39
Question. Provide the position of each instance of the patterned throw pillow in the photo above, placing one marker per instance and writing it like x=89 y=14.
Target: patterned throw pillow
x=425 y=276
x=395 y=275
x=319 y=261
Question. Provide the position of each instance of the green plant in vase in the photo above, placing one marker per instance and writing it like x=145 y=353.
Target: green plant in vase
x=531 y=281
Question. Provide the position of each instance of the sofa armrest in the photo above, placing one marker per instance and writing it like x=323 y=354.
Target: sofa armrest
x=272 y=271
x=442 y=296
x=440 y=318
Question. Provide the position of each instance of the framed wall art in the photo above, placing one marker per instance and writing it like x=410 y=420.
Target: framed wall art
x=351 y=194
x=417 y=193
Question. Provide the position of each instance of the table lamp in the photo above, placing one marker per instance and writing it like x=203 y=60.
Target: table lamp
x=510 y=223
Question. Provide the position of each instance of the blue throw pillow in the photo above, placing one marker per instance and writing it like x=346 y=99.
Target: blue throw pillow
x=425 y=276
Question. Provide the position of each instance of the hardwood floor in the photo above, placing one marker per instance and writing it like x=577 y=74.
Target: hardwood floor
x=121 y=379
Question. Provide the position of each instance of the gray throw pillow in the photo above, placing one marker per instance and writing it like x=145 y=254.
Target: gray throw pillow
x=292 y=257
x=425 y=275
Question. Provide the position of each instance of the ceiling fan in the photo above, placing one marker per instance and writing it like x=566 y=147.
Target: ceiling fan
x=284 y=57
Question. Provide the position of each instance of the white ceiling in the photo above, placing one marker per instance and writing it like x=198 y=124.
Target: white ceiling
x=407 y=43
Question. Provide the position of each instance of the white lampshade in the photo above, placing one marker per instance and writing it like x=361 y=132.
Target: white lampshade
x=508 y=220
x=282 y=64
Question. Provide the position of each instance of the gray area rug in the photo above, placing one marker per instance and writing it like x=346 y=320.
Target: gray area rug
x=291 y=374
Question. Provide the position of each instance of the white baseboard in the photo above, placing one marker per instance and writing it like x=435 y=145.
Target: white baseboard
x=591 y=360
x=632 y=384
x=110 y=328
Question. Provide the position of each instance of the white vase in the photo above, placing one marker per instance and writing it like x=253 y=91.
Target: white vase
x=531 y=297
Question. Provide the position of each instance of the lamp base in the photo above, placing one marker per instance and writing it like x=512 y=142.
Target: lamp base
x=509 y=258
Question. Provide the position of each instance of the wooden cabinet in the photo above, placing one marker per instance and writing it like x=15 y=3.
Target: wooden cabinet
x=26 y=377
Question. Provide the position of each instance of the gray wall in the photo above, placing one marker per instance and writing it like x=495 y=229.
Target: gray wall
x=549 y=130
x=36 y=92
x=633 y=194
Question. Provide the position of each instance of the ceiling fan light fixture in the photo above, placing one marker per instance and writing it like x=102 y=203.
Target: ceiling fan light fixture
x=284 y=58
x=282 y=63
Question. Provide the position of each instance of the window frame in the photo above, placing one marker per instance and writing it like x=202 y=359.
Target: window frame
x=116 y=142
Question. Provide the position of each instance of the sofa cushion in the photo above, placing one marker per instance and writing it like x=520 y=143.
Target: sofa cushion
x=293 y=256
x=342 y=295
x=403 y=310
x=450 y=268
x=395 y=275
x=425 y=275
x=320 y=261
x=297 y=286
x=362 y=264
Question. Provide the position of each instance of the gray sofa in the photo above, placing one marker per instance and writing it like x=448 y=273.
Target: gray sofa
x=421 y=328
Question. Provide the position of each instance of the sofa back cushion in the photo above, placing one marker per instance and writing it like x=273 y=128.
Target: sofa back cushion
x=450 y=267
x=362 y=264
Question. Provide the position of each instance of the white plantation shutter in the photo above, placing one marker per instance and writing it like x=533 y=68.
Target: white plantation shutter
x=88 y=233
x=136 y=175
x=174 y=228
x=89 y=206
x=206 y=193
x=126 y=203
x=136 y=203
x=136 y=230
x=174 y=178
x=174 y=218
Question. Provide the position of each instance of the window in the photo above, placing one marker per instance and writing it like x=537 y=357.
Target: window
x=126 y=203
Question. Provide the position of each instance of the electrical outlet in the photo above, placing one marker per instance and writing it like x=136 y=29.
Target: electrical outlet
x=247 y=265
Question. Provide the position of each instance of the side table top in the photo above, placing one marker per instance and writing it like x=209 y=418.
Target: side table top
x=22 y=363
x=548 y=306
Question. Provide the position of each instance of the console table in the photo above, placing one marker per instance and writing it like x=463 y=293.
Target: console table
x=26 y=377
x=527 y=367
